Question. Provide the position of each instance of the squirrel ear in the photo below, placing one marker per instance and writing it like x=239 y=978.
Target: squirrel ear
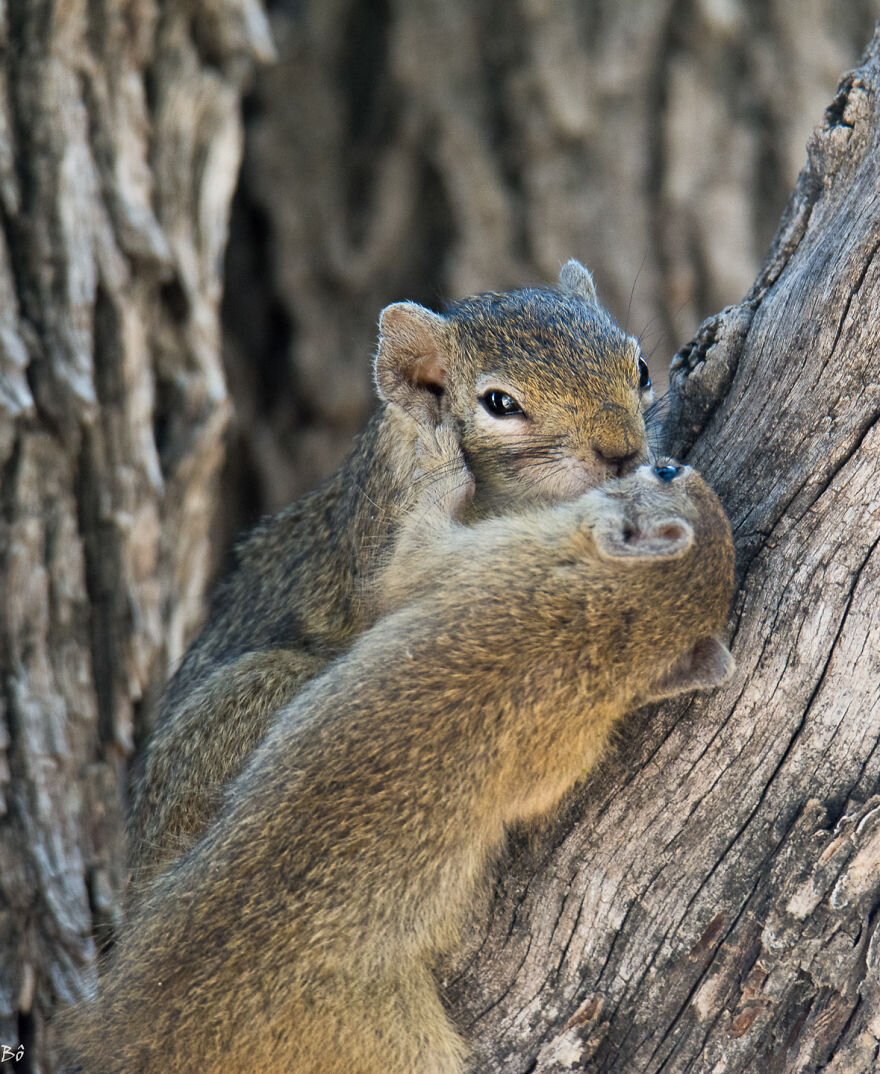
x=412 y=362
x=574 y=277
x=667 y=538
x=707 y=665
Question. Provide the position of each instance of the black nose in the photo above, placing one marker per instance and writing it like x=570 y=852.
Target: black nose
x=666 y=473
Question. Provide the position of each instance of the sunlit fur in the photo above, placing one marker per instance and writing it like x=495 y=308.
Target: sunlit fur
x=296 y=937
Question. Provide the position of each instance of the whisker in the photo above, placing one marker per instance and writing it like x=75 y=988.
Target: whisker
x=655 y=423
x=632 y=293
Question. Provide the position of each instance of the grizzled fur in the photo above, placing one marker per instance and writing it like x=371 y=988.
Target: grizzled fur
x=298 y=594
x=296 y=937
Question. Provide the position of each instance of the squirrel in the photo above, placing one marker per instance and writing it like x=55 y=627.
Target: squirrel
x=298 y=934
x=547 y=398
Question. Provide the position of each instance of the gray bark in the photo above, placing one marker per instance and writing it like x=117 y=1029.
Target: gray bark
x=709 y=902
x=120 y=138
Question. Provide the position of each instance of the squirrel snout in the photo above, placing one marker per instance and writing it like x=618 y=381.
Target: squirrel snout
x=618 y=440
x=619 y=464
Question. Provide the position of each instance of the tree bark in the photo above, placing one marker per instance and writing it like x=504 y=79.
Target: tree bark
x=120 y=137
x=710 y=900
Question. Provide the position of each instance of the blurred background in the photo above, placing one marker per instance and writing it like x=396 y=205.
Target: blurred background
x=427 y=149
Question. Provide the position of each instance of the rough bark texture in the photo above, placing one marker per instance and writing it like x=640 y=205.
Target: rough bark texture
x=120 y=139
x=714 y=906
x=429 y=149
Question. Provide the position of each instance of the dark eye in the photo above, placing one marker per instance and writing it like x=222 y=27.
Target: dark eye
x=644 y=375
x=500 y=404
x=667 y=472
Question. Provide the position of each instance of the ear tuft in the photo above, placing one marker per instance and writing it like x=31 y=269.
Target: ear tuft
x=707 y=665
x=574 y=277
x=412 y=362
x=667 y=538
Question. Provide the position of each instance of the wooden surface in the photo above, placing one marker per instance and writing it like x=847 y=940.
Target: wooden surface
x=119 y=150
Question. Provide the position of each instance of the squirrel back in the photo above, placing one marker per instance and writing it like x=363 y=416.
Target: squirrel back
x=298 y=933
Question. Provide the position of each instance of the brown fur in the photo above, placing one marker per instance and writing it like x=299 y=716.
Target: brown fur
x=296 y=597
x=297 y=935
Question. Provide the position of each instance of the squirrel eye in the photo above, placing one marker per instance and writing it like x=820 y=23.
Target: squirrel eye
x=500 y=404
x=644 y=375
x=667 y=472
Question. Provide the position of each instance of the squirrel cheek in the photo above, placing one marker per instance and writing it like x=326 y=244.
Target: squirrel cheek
x=566 y=479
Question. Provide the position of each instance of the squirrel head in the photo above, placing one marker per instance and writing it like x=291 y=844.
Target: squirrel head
x=547 y=393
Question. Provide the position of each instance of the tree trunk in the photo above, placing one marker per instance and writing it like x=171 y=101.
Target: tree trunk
x=120 y=133
x=710 y=901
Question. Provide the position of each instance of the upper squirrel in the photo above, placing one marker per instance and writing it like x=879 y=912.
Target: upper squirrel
x=546 y=396
x=298 y=933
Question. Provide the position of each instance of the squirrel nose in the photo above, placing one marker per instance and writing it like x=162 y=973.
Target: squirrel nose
x=618 y=439
x=619 y=464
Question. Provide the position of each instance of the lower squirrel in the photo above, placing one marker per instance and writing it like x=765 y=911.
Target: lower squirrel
x=545 y=397
x=298 y=934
